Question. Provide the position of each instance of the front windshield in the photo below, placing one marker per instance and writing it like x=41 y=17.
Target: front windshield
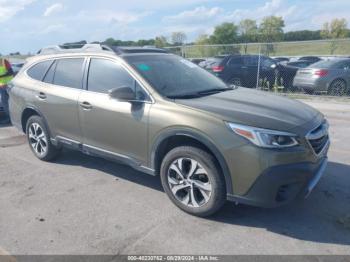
x=173 y=76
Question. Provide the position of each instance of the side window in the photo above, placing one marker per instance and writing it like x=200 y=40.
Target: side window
x=266 y=62
x=69 y=72
x=50 y=74
x=251 y=61
x=235 y=61
x=38 y=71
x=105 y=75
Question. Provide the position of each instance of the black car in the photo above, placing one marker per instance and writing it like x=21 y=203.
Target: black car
x=281 y=59
x=312 y=59
x=242 y=70
x=287 y=72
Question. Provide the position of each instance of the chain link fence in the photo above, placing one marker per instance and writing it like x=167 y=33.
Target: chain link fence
x=284 y=67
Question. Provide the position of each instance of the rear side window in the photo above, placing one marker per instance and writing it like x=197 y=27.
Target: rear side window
x=251 y=60
x=105 y=75
x=235 y=61
x=69 y=72
x=38 y=71
x=50 y=74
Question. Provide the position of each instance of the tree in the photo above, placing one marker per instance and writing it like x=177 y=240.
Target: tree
x=202 y=40
x=337 y=28
x=160 y=41
x=302 y=35
x=271 y=28
x=178 y=38
x=226 y=33
x=248 y=30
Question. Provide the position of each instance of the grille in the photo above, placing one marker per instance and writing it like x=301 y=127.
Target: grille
x=318 y=144
x=318 y=137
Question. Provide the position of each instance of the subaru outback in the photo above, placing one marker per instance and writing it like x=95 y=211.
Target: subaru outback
x=163 y=115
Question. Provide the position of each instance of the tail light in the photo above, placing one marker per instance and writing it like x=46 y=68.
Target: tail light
x=217 y=69
x=321 y=73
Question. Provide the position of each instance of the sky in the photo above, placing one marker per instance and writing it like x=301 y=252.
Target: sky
x=28 y=25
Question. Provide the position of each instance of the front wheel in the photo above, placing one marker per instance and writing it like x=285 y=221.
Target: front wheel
x=39 y=139
x=192 y=181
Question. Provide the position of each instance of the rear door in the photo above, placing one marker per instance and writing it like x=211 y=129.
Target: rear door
x=57 y=98
x=235 y=71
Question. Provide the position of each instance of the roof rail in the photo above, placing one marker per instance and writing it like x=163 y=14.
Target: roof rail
x=56 y=49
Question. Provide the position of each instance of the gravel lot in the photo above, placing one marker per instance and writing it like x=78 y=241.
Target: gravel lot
x=85 y=205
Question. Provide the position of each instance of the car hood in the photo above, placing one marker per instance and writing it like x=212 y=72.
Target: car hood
x=258 y=109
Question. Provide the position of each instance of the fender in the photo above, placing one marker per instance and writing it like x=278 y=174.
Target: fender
x=200 y=138
x=38 y=113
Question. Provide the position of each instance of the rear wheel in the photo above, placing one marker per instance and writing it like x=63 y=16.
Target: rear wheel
x=193 y=181
x=39 y=139
x=338 y=88
x=235 y=81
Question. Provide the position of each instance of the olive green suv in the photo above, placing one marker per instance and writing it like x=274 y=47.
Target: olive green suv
x=163 y=115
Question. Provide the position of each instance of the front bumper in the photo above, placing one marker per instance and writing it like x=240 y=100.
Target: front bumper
x=280 y=185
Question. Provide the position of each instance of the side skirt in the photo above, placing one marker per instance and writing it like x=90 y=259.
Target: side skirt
x=99 y=152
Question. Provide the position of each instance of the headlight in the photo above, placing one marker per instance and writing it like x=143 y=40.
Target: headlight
x=265 y=137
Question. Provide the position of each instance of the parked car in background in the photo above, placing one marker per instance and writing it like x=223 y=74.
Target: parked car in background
x=197 y=60
x=281 y=59
x=312 y=59
x=16 y=67
x=287 y=72
x=242 y=70
x=209 y=62
x=330 y=76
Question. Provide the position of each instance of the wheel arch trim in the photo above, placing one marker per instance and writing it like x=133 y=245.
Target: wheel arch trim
x=201 y=139
x=36 y=110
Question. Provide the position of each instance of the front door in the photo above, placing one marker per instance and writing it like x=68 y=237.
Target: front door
x=108 y=125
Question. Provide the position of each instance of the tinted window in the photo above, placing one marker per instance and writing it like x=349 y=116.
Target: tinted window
x=266 y=62
x=332 y=63
x=235 y=61
x=38 y=71
x=50 y=74
x=251 y=60
x=174 y=76
x=105 y=75
x=69 y=72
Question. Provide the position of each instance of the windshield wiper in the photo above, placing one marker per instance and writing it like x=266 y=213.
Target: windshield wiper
x=214 y=91
x=200 y=93
x=184 y=96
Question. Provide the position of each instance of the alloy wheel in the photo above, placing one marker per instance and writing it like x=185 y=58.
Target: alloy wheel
x=189 y=182
x=37 y=139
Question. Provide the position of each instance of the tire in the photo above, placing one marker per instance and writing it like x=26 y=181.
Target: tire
x=338 y=88
x=201 y=194
x=39 y=139
x=235 y=81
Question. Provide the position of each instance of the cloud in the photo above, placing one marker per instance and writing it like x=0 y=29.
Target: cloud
x=113 y=17
x=51 y=29
x=197 y=15
x=9 y=8
x=52 y=9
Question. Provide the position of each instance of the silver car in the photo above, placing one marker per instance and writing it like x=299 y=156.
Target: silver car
x=330 y=76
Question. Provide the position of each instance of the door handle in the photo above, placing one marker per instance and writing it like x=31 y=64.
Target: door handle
x=86 y=105
x=41 y=95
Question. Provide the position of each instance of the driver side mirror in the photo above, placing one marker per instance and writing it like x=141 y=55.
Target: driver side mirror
x=125 y=94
